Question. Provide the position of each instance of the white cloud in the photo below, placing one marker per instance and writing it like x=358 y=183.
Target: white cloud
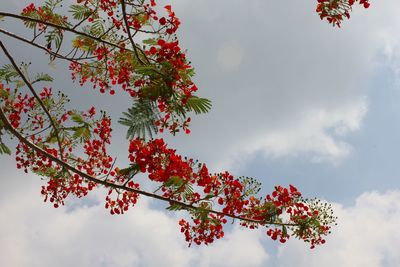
x=367 y=235
x=301 y=87
x=241 y=247
x=33 y=233
x=319 y=131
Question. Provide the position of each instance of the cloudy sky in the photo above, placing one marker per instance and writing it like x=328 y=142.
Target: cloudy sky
x=294 y=101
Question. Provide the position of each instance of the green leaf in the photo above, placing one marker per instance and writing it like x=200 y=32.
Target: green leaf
x=141 y=120
x=51 y=4
x=42 y=77
x=147 y=70
x=49 y=172
x=8 y=72
x=175 y=181
x=4 y=93
x=76 y=117
x=202 y=211
x=129 y=172
x=32 y=24
x=198 y=105
x=284 y=231
x=188 y=189
x=251 y=186
x=79 y=11
x=4 y=149
x=151 y=41
x=97 y=28
x=82 y=132
x=175 y=207
x=52 y=139
x=55 y=36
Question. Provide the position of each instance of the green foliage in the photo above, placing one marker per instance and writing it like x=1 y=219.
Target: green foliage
x=141 y=119
x=8 y=73
x=84 y=43
x=129 y=172
x=96 y=28
x=147 y=70
x=186 y=74
x=174 y=181
x=82 y=131
x=42 y=77
x=198 y=104
x=32 y=24
x=3 y=94
x=202 y=211
x=79 y=11
x=150 y=41
x=52 y=172
x=284 y=231
x=175 y=207
x=54 y=36
x=52 y=4
x=4 y=149
x=251 y=186
x=77 y=118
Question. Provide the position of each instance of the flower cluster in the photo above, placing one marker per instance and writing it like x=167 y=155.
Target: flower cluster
x=123 y=200
x=203 y=230
x=235 y=198
x=98 y=162
x=156 y=70
x=15 y=105
x=334 y=11
x=73 y=130
x=44 y=13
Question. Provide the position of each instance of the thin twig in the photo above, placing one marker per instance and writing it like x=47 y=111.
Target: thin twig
x=57 y=55
x=6 y=14
x=128 y=31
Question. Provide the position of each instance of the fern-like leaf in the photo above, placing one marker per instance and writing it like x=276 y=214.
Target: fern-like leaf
x=79 y=12
x=198 y=105
x=42 y=77
x=4 y=149
x=141 y=120
x=8 y=72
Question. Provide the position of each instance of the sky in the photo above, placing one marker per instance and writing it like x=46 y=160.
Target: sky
x=295 y=101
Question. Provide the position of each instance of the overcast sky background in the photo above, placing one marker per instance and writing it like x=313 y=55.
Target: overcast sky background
x=294 y=101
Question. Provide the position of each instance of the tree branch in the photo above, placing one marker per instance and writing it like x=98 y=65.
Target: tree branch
x=29 y=85
x=122 y=187
x=6 y=14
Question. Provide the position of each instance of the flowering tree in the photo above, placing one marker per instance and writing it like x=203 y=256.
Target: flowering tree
x=131 y=46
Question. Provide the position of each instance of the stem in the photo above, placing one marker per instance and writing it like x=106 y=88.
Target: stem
x=123 y=6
